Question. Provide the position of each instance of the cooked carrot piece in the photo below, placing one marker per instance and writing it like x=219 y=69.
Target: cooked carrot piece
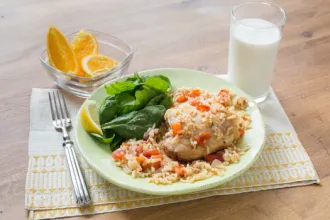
x=179 y=170
x=203 y=108
x=205 y=135
x=241 y=132
x=150 y=152
x=194 y=93
x=195 y=102
x=176 y=128
x=140 y=159
x=181 y=98
x=118 y=154
x=157 y=165
x=202 y=137
x=159 y=156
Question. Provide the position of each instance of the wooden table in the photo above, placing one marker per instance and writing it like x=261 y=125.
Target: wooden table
x=173 y=33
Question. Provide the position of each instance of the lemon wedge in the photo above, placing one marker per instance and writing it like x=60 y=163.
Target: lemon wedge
x=89 y=117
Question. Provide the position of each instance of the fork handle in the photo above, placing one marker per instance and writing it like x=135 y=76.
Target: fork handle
x=78 y=181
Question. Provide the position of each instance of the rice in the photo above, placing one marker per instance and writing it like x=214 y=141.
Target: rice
x=147 y=158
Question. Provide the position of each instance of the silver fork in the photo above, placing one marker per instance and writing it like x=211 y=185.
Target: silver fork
x=62 y=121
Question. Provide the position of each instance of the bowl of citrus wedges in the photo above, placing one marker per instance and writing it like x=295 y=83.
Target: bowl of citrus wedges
x=82 y=61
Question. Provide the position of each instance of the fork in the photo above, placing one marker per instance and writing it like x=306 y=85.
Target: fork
x=62 y=122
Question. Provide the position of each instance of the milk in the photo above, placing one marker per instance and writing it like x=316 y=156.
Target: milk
x=252 y=55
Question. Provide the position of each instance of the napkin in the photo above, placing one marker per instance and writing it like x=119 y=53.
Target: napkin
x=48 y=191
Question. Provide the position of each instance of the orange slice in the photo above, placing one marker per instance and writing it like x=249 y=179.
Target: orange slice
x=84 y=44
x=59 y=51
x=96 y=64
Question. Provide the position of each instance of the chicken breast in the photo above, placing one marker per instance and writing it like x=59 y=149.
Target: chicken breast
x=202 y=130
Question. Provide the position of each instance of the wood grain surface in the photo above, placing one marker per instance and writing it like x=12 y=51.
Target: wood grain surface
x=172 y=33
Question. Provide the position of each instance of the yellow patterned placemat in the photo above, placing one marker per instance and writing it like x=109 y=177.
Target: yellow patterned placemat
x=283 y=163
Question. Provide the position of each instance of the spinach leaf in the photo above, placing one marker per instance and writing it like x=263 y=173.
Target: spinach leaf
x=136 y=79
x=102 y=138
x=114 y=141
x=108 y=133
x=143 y=95
x=115 y=144
x=126 y=103
x=108 y=110
x=165 y=100
x=136 y=123
x=120 y=87
x=142 y=79
x=160 y=83
x=156 y=100
x=111 y=97
x=130 y=84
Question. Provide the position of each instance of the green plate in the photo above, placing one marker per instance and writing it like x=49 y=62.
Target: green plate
x=98 y=155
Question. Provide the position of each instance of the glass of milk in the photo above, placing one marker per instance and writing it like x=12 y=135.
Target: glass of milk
x=255 y=35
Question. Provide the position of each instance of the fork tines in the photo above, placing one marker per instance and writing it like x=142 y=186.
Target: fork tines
x=59 y=109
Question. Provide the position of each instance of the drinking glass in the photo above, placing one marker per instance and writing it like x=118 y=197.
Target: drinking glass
x=255 y=34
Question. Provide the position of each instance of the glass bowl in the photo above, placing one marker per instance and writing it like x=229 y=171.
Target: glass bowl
x=84 y=86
